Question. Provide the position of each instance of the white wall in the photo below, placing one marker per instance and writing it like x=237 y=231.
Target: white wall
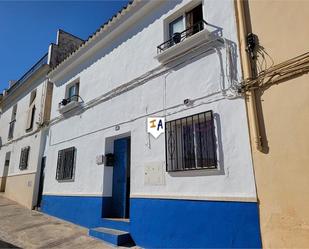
x=22 y=185
x=22 y=99
x=128 y=57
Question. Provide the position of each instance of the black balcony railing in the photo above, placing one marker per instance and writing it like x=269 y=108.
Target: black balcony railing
x=11 y=129
x=179 y=37
x=66 y=101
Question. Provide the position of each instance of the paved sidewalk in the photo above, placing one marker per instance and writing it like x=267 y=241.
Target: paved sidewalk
x=23 y=228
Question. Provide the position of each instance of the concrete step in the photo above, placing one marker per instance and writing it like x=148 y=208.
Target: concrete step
x=118 y=224
x=113 y=236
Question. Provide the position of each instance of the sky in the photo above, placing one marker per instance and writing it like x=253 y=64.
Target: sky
x=28 y=27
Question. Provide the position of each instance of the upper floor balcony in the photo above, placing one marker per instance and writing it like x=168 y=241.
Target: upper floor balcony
x=181 y=42
x=69 y=103
x=181 y=36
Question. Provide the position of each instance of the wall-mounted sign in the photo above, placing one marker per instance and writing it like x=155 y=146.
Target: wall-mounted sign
x=155 y=126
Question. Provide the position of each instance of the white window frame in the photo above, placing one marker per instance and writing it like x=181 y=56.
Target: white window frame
x=69 y=85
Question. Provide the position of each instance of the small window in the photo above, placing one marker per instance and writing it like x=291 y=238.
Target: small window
x=24 y=155
x=190 y=143
x=73 y=92
x=176 y=26
x=31 y=111
x=65 y=164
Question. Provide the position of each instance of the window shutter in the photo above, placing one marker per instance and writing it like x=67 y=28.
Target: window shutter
x=70 y=162
x=47 y=102
x=189 y=20
x=193 y=18
x=14 y=112
x=30 y=116
x=60 y=160
x=23 y=164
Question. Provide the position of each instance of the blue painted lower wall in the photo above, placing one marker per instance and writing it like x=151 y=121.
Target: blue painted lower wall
x=86 y=211
x=186 y=223
x=161 y=223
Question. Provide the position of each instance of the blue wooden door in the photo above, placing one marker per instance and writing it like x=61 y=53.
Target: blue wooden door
x=121 y=153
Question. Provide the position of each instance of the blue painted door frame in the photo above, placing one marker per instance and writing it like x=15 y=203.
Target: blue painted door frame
x=120 y=179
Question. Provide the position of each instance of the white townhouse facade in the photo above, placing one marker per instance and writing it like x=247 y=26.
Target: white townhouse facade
x=25 y=112
x=192 y=186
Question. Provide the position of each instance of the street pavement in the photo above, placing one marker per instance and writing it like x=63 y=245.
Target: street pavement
x=23 y=228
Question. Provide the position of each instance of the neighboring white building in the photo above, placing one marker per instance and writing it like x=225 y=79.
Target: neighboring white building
x=193 y=186
x=25 y=112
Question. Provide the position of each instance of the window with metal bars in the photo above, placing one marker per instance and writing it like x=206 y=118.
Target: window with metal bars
x=65 y=164
x=24 y=155
x=190 y=143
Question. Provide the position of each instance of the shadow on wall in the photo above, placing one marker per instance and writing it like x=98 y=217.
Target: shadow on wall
x=130 y=33
x=4 y=244
x=216 y=46
x=12 y=99
x=220 y=157
x=77 y=111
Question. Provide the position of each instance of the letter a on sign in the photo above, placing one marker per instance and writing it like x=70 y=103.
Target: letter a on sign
x=155 y=126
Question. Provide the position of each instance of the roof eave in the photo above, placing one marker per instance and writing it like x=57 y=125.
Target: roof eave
x=102 y=34
x=43 y=70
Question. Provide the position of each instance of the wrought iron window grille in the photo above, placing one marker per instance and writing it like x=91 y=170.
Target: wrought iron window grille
x=190 y=143
x=66 y=164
